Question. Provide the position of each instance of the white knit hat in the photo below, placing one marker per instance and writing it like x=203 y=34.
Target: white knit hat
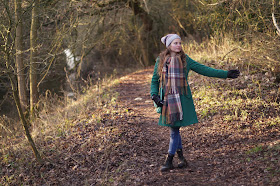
x=167 y=40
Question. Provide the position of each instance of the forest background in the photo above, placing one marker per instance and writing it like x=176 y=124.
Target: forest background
x=53 y=51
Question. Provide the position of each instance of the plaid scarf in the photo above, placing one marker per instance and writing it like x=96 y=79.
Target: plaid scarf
x=175 y=84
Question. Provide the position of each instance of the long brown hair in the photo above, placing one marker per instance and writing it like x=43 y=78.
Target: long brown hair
x=164 y=54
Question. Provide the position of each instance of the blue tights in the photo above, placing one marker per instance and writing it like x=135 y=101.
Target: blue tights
x=175 y=140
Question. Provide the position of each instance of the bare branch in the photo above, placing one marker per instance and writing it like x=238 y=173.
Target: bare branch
x=145 y=3
x=214 y=4
x=110 y=3
x=275 y=23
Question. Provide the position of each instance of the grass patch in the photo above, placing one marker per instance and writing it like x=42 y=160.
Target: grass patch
x=256 y=149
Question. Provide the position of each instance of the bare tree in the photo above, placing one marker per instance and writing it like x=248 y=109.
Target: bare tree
x=7 y=55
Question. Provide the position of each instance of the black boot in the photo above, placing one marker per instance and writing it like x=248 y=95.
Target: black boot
x=182 y=161
x=168 y=163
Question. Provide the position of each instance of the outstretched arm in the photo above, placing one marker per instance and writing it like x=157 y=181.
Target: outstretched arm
x=205 y=70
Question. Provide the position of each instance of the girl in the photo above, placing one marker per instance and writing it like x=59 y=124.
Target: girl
x=171 y=77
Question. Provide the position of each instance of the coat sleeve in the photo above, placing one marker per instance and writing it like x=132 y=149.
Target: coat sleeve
x=205 y=70
x=155 y=80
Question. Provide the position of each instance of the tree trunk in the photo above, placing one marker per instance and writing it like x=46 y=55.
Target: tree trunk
x=19 y=56
x=24 y=122
x=144 y=49
x=33 y=58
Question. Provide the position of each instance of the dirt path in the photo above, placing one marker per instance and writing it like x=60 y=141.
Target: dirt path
x=134 y=92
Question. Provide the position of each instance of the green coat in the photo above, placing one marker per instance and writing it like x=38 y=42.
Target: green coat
x=189 y=114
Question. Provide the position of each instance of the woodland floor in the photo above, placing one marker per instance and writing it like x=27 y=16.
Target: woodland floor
x=127 y=147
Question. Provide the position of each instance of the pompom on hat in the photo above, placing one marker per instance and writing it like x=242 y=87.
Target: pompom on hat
x=167 y=40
